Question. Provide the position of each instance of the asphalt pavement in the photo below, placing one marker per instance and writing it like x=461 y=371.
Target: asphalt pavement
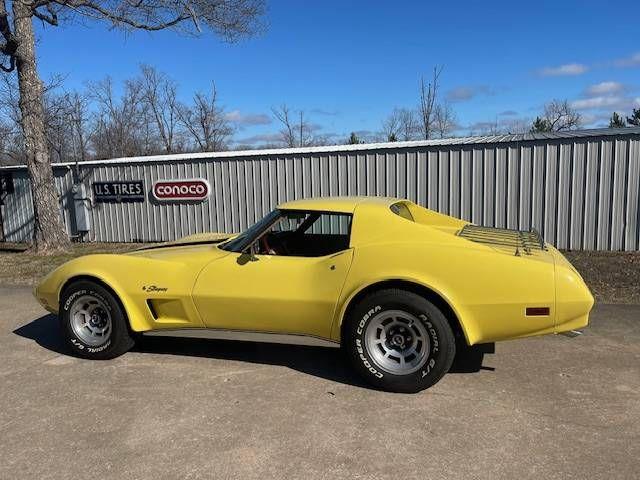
x=545 y=408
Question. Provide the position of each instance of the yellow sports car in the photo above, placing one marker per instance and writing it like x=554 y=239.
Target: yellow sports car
x=394 y=284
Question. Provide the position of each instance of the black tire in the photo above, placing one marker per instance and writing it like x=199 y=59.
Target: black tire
x=118 y=340
x=432 y=363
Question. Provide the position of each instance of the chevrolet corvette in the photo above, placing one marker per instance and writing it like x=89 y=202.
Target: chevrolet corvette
x=397 y=286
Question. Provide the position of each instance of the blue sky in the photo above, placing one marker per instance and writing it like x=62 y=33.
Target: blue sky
x=349 y=63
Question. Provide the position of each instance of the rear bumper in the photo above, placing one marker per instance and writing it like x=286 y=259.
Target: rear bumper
x=574 y=300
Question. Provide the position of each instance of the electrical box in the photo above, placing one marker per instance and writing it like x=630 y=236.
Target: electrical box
x=81 y=207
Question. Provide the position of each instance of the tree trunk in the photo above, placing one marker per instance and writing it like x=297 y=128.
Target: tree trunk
x=49 y=232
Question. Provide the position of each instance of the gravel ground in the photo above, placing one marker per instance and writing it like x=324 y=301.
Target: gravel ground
x=550 y=408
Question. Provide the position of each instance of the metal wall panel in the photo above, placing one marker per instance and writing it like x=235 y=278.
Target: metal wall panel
x=580 y=192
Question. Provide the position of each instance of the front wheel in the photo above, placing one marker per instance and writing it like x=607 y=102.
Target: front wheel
x=399 y=341
x=93 y=322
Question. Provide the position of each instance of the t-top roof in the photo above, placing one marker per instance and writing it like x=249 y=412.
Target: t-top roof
x=336 y=204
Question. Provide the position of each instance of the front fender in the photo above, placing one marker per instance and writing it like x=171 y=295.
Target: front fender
x=115 y=271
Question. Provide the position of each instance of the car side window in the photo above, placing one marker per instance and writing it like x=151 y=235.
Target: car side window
x=306 y=234
x=290 y=222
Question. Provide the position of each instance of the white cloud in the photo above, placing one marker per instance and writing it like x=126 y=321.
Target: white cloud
x=630 y=61
x=604 y=88
x=596 y=119
x=263 y=138
x=567 y=69
x=246 y=119
x=328 y=113
x=605 y=101
x=498 y=126
x=467 y=92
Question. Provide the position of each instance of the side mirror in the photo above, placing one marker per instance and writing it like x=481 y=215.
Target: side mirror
x=248 y=254
x=253 y=250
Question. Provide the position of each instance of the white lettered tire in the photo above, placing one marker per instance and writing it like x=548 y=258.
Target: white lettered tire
x=399 y=341
x=93 y=322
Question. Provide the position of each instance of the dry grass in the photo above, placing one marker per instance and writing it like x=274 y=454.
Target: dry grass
x=614 y=277
x=22 y=268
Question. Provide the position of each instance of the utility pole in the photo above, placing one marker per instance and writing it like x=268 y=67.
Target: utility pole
x=301 y=128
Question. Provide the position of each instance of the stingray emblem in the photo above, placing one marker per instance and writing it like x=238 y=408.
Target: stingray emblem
x=153 y=288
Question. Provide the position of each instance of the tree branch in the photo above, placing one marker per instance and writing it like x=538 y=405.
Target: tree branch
x=83 y=6
x=10 y=45
x=51 y=19
x=11 y=67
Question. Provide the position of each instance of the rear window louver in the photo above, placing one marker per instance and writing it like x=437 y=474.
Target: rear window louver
x=523 y=241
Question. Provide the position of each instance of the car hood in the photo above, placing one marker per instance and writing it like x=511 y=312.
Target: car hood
x=190 y=247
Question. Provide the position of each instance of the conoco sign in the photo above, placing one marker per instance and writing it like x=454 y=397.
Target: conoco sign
x=192 y=189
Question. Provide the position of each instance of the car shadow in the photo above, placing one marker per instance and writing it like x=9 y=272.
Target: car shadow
x=327 y=363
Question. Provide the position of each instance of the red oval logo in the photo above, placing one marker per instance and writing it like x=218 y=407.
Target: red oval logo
x=191 y=189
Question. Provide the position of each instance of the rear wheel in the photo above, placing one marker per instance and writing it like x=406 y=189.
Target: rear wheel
x=93 y=322
x=399 y=341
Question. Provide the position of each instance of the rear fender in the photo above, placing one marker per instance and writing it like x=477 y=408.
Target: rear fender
x=394 y=282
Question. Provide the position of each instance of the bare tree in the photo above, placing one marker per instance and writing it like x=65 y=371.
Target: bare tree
x=121 y=124
x=160 y=95
x=401 y=124
x=6 y=133
x=428 y=97
x=391 y=126
x=78 y=118
x=409 y=125
x=558 y=115
x=516 y=125
x=561 y=116
x=296 y=130
x=57 y=131
x=230 y=19
x=206 y=122
x=11 y=140
x=444 y=119
x=288 y=132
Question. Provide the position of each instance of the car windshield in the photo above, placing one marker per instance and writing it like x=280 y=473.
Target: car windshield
x=243 y=240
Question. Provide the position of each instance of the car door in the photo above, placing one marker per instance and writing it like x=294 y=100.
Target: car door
x=294 y=293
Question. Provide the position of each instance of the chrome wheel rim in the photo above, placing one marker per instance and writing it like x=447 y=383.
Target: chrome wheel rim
x=397 y=342
x=91 y=320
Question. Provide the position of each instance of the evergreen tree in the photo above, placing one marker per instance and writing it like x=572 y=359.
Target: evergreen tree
x=353 y=139
x=616 y=121
x=634 y=119
x=540 y=125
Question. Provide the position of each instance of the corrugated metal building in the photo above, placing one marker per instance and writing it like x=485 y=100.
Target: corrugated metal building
x=579 y=189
